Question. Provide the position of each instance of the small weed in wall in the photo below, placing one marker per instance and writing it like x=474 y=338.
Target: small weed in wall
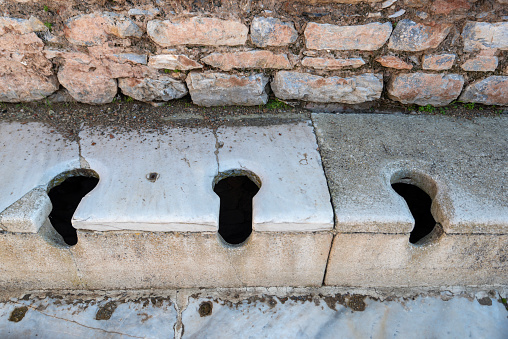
x=46 y=8
x=49 y=25
x=276 y=104
x=427 y=109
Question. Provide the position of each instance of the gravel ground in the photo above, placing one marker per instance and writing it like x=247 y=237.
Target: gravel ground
x=126 y=114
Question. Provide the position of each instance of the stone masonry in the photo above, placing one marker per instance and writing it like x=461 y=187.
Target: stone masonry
x=344 y=51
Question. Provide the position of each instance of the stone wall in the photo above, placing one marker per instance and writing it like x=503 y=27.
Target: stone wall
x=226 y=52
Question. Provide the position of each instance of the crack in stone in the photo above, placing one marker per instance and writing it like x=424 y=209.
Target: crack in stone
x=314 y=132
x=217 y=147
x=79 y=324
x=78 y=272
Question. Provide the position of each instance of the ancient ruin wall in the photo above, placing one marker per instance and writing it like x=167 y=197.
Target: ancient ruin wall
x=226 y=52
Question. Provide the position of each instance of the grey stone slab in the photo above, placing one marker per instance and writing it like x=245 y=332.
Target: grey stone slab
x=317 y=317
x=462 y=164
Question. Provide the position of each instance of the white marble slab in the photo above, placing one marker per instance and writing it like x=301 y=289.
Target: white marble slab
x=180 y=199
x=424 y=317
x=31 y=155
x=294 y=194
x=51 y=318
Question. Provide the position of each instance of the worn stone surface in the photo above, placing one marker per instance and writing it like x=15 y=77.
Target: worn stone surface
x=367 y=37
x=161 y=88
x=205 y=31
x=481 y=64
x=390 y=260
x=332 y=64
x=93 y=29
x=94 y=86
x=90 y=316
x=265 y=259
x=247 y=60
x=302 y=86
x=342 y=316
x=266 y=32
x=29 y=262
x=490 y=91
x=219 y=89
x=392 y=61
x=28 y=213
x=425 y=89
x=438 y=62
x=44 y=156
x=293 y=196
x=484 y=35
x=448 y=6
x=460 y=163
x=410 y=36
x=172 y=61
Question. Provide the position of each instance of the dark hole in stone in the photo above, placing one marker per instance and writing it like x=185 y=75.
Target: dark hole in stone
x=419 y=204
x=65 y=199
x=235 y=216
x=18 y=314
x=205 y=309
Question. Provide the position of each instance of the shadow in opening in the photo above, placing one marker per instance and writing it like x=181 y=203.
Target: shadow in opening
x=235 y=216
x=419 y=204
x=65 y=199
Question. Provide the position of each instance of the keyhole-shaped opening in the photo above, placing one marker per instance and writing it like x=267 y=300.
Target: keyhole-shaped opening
x=419 y=204
x=236 y=189
x=66 y=193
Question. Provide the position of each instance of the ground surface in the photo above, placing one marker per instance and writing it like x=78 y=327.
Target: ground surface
x=69 y=118
x=276 y=313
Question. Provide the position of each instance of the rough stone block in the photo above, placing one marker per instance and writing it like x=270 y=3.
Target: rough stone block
x=161 y=88
x=303 y=86
x=90 y=87
x=219 y=89
x=391 y=61
x=26 y=73
x=332 y=64
x=21 y=26
x=367 y=37
x=27 y=214
x=481 y=64
x=371 y=260
x=460 y=164
x=484 y=35
x=410 y=36
x=247 y=60
x=93 y=29
x=448 y=6
x=205 y=31
x=490 y=91
x=438 y=62
x=425 y=89
x=266 y=32
x=172 y=61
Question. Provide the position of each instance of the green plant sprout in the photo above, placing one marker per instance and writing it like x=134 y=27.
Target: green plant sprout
x=276 y=104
